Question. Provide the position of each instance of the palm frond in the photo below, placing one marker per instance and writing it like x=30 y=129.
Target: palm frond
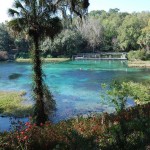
x=17 y=4
x=52 y=27
x=12 y=12
x=27 y=2
x=16 y=24
x=85 y=4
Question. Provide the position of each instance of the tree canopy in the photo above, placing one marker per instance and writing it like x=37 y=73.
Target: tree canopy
x=119 y=31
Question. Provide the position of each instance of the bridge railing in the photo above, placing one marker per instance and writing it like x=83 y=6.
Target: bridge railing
x=102 y=55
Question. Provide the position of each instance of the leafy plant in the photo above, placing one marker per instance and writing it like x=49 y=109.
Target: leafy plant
x=138 y=55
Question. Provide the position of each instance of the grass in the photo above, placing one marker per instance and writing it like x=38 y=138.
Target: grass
x=11 y=104
x=44 y=60
x=139 y=63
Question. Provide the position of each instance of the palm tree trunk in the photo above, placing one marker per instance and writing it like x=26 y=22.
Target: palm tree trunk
x=39 y=113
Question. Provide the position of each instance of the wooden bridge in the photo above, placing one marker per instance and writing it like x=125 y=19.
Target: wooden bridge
x=101 y=56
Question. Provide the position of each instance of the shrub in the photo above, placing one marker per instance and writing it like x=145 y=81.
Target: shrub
x=138 y=55
x=105 y=132
x=49 y=56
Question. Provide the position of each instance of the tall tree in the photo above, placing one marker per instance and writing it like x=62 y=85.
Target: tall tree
x=92 y=31
x=68 y=43
x=144 y=39
x=39 y=19
x=111 y=24
x=129 y=32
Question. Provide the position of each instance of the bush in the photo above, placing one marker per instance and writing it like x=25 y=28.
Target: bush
x=138 y=55
x=49 y=56
x=130 y=129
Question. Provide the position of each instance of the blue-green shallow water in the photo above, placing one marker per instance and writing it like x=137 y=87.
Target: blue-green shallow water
x=74 y=84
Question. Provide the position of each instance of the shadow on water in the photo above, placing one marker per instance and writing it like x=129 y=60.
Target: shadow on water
x=14 y=76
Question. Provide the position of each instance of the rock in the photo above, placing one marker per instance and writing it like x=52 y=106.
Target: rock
x=3 y=56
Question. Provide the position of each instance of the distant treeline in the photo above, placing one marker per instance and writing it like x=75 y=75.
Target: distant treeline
x=99 y=31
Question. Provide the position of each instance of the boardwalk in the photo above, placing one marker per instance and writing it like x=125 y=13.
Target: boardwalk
x=100 y=56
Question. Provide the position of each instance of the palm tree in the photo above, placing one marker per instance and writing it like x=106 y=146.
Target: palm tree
x=38 y=18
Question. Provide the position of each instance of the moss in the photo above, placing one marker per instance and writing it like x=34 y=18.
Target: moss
x=11 y=104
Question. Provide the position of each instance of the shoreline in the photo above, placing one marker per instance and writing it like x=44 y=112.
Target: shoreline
x=43 y=60
x=139 y=64
x=28 y=60
x=130 y=63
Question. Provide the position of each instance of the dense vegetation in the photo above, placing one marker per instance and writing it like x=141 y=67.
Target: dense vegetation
x=100 y=31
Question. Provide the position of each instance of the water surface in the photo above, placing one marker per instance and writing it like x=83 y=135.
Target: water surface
x=74 y=84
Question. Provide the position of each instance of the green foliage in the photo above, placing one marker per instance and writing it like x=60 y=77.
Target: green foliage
x=138 y=91
x=105 y=132
x=138 y=55
x=68 y=43
x=118 y=93
x=121 y=135
x=120 y=32
x=111 y=24
x=144 y=39
x=129 y=32
x=11 y=104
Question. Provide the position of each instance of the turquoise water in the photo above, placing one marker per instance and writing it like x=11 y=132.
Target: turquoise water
x=74 y=84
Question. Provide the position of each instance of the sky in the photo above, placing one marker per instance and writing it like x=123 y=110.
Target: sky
x=124 y=6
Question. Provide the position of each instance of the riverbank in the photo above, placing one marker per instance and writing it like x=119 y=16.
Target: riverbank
x=44 y=60
x=11 y=104
x=139 y=63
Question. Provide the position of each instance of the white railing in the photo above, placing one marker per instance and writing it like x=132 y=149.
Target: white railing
x=102 y=55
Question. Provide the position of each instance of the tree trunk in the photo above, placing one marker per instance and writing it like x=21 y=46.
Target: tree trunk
x=39 y=112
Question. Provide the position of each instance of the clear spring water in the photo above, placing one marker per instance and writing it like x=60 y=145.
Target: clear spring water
x=74 y=84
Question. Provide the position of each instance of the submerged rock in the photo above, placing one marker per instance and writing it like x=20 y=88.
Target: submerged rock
x=14 y=76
